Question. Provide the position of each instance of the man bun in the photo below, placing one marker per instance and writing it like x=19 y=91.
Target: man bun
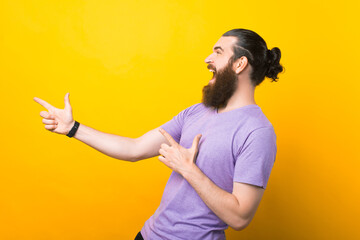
x=273 y=61
x=263 y=61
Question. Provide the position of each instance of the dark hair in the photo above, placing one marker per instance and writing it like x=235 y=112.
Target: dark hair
x=264 y=62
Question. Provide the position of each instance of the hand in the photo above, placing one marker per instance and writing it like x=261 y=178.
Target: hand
x=176 y=157
x=57 y=120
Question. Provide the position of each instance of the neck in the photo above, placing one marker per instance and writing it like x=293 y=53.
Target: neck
x=244 y=95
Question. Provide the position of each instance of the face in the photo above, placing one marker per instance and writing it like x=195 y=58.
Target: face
x=224 y=82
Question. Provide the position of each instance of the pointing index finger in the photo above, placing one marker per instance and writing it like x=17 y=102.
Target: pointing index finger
x=168 y=137
x=43 y=103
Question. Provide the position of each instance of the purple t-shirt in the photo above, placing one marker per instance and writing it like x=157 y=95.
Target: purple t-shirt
x=236 y=146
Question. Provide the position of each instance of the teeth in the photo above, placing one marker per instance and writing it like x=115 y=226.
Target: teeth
x=212 y=70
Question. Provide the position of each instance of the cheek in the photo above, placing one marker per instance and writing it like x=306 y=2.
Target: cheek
x=220 y=67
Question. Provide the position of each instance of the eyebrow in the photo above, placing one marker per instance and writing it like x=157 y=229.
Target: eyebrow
x=218 y=47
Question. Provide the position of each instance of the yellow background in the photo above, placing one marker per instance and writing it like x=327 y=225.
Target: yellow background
x=130 y=66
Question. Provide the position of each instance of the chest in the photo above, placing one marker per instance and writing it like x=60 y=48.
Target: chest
x=217 y=148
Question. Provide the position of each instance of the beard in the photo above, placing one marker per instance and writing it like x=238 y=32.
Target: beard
x=217 y=94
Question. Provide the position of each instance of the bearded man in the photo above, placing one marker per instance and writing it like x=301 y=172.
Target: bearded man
x=221 y=151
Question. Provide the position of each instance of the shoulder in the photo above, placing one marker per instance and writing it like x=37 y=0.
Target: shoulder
x=254 y=128
x=258 y=117
x=194 y=109
x=256 y=120
x=266 y=132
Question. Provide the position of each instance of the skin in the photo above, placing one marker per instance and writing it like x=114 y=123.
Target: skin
x=244 y=93
x=237 y=208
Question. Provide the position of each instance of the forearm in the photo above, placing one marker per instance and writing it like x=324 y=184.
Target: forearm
x=112 y=145
x=224 y=204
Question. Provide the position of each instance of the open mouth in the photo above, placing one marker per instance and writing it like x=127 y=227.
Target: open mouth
x=213 y=71
x=212 y=80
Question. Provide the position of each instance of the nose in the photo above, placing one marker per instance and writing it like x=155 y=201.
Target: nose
x=208 y=60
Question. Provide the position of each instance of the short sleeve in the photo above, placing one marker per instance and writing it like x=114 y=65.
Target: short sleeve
x=175 y=125
x=256 y=158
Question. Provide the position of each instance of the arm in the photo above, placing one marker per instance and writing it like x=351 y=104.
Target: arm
x=115 y=146
x=237 y=208
x=61 y=121
x=148 y=145
x=123 y=148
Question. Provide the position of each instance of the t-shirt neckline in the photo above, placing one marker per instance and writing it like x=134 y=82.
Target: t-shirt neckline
x=236 y=109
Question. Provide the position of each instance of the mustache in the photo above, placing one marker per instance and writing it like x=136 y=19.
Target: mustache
x=211 y=67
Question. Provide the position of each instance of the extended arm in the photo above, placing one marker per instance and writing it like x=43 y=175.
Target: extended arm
x=115 y=146
x=123 y=148
x=129 y=149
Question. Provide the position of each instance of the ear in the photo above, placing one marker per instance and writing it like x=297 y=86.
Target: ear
x=240 y=64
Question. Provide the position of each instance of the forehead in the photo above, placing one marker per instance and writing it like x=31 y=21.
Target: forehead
x=226 y=43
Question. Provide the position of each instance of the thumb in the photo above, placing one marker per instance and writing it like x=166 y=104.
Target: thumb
x=67 y=101
x=196 y=142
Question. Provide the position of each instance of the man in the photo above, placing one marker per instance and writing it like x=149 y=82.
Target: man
x=221 y=150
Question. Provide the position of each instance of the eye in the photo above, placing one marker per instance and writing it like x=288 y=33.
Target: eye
x=218 y=52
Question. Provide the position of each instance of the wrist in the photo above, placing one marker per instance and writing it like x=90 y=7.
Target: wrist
x=73 y=130
x=71 y=125
x=191 y=171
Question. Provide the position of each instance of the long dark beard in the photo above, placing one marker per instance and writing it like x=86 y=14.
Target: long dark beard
x=217 y=94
